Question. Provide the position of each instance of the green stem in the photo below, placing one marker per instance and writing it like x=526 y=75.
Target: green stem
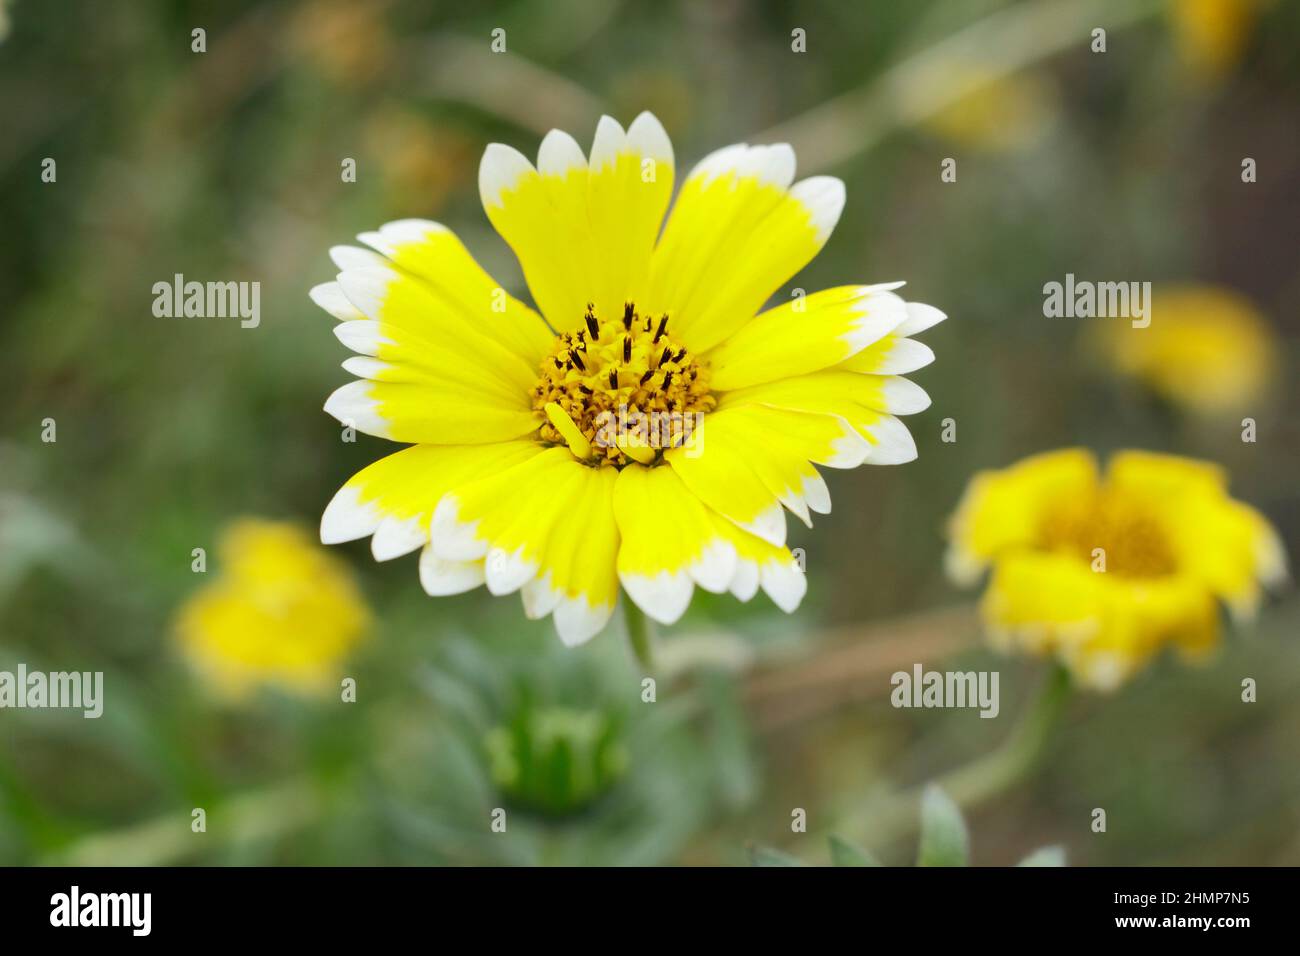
x=988 y=776
x=640 y=634
x=982 y=779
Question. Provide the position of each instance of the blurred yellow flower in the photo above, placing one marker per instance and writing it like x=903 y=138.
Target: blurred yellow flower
x=281 y=612
x=1207 y=349
x=416 y=158
x=999 y=114
x=1212 y=34
x=346 y=41
x=1103 y=571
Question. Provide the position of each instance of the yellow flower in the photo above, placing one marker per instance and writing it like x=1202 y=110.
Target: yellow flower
x=1212 y=34
x=1103 y=571
x=346 y=41
x=1207 y=349
x=417 y=158
x=280 y=612
x=653 y=438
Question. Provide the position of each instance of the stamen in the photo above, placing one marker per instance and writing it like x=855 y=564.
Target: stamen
x=637 y=452
x=576 y=441
x=591 y=375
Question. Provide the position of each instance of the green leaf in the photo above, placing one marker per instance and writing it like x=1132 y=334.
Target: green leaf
x=944 y=841
x=844 y=853
x=1045 y=856
x=770 y=856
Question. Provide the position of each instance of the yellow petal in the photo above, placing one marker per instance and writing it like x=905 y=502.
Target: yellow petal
x=410 y=324
x=746 y=461
x=736 y=233
x=834 y=392
x=583 y=232
x=805 y=335
x=466 y=296
x=545 y=524
x=670 y=542
x=394 y=497
x=429 y=414
x=1005 y=509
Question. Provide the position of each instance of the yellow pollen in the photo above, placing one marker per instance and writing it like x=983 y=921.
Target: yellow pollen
x=621 y=389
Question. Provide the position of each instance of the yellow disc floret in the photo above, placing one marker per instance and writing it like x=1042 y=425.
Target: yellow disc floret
x=619 y=390
x=1134 y=541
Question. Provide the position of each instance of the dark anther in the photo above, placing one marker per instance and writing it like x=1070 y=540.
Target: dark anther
x=663 y=322
x=577 y=360
x=613 y=378
x=584 y=389
x=681 y=354
x=592 y=325
x=558 y=363
x=646 y=377
x=627 y=348
x=668 y=380
x=629 y=313
x=668 y=354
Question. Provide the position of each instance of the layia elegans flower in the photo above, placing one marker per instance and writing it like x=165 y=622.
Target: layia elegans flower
x=281 y=612
x=657 y=431
x=1102 y=571
x=1209 y=353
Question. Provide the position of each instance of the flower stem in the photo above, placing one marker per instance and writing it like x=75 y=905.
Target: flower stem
x=640 y=634
x=980 y=780
x=988 y=776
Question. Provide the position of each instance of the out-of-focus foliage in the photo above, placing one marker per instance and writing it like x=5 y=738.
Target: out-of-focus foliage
x=225 y=165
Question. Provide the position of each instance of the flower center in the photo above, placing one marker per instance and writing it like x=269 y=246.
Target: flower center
x=1134 y=542
x=621 y=389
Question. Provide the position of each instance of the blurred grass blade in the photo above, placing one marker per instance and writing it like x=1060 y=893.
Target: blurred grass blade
x=768 y=856
x=944 y=840
x=1045 y=856
x=844 y=853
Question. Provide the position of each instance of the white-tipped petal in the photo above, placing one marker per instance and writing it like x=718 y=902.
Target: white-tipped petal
x=500 y=170
x=441 y=578
x=330 y=297
x=823 y=197
x=919 y=318
x=397 y=536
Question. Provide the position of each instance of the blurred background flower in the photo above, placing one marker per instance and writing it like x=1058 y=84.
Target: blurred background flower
x=279 y=612
x=1212 y=35
x=1208 y=351
x=1104 y=571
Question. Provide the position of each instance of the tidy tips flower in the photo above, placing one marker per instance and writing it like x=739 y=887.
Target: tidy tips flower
x=1208 y=350
x=280 y=611
x=1102 y=571
x=653 y=423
